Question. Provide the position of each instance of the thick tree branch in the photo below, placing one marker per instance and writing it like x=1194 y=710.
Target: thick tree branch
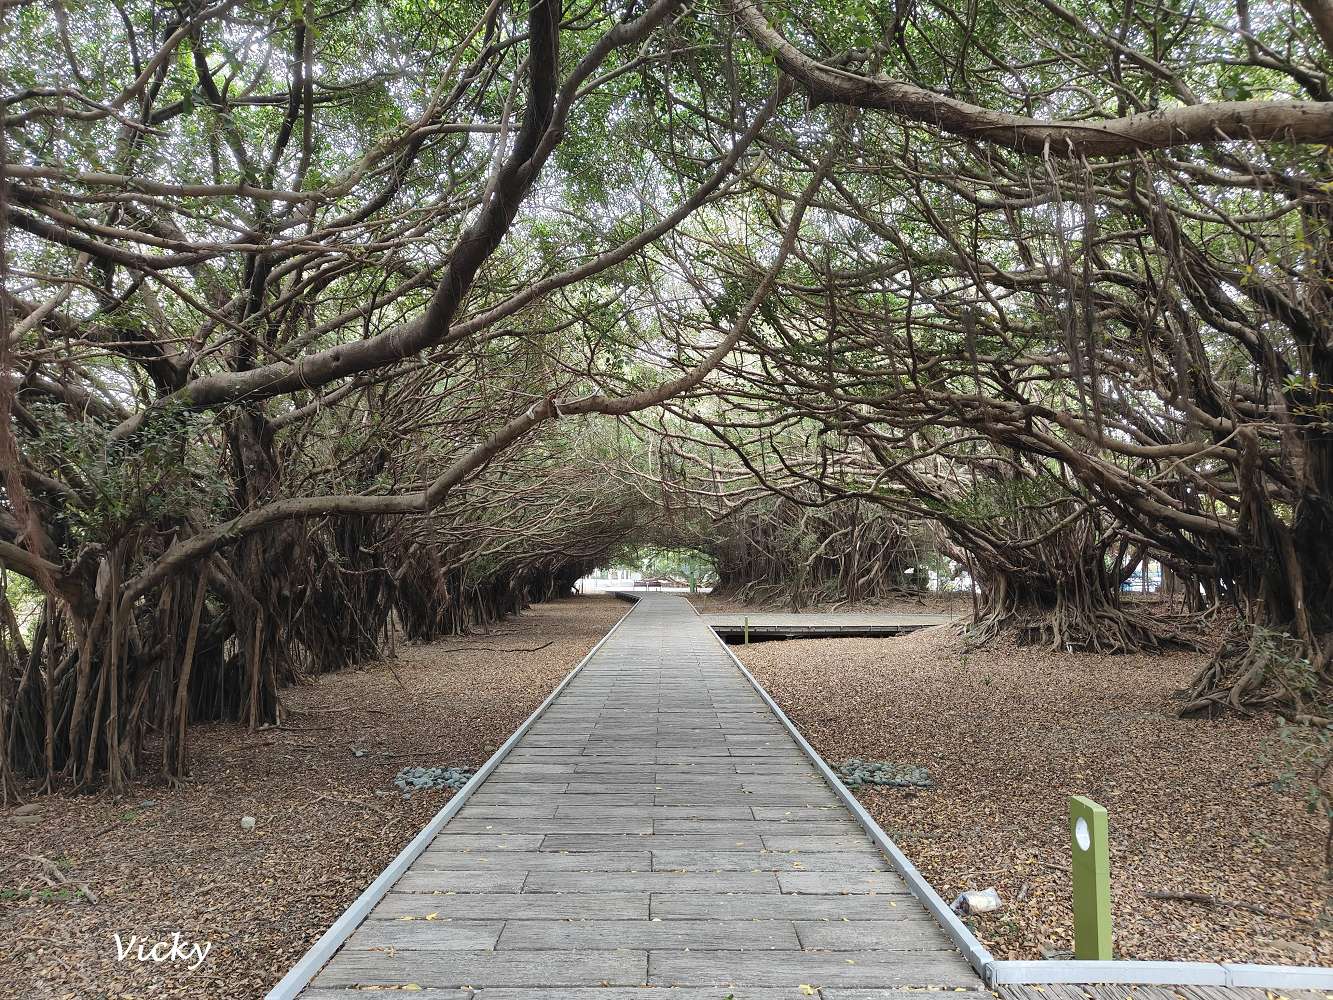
x=1321 y=15
x=542 y=127
x=433 y=496
x=1257 y=121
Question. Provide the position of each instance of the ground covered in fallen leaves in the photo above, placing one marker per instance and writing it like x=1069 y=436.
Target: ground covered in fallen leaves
x=1008 y=733
x=956 y=604
x=327 y=820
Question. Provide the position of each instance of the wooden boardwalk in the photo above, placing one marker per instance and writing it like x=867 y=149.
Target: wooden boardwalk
x=815 y=625
x=656 y=833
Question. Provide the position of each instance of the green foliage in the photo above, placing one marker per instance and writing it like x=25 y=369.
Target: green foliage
x=1003 y=499
x=153 y=476
x=26 y=598
x=688 y=565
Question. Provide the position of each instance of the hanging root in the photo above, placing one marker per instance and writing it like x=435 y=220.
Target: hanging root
x=782 y=554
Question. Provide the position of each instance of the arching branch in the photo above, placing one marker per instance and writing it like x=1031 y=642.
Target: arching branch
x=1256 y=121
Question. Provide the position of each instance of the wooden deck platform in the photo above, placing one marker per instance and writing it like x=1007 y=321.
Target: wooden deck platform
x=815 y=625
x=656 y=834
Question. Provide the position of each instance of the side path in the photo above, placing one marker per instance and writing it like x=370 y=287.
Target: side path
x=656 y=827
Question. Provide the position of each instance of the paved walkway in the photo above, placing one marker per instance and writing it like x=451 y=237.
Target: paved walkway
x=656 y=827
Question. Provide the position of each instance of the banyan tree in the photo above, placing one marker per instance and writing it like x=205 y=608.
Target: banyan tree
x=314 y=318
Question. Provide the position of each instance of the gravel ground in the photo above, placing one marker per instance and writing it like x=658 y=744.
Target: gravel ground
x=1008 y=733
x=162 y=859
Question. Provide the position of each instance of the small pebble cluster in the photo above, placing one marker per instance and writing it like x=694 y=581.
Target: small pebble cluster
x=855 y=772
x=415 y=779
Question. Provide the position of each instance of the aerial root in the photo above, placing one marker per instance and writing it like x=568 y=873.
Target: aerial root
x=1081 y=627
x=1258 y=668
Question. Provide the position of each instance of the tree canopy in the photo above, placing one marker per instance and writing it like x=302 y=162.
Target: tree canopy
x=324 y=320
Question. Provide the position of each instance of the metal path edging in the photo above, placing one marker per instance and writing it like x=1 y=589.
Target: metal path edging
x=300 y=974
x=972 y=949
x=1284 y=977
x=1126 y=973
x=995 y=972
x=1227 y=974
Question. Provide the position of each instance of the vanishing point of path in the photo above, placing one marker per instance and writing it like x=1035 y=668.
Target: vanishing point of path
x=656 y=827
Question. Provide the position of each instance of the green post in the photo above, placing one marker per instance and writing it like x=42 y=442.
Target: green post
x=1092 y=879
x=747 y=630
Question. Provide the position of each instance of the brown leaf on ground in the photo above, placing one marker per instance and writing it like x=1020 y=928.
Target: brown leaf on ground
x=162 y=860
x=1010 y=732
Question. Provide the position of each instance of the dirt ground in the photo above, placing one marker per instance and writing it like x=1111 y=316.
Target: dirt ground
x=1009 y=733
x=328 y=819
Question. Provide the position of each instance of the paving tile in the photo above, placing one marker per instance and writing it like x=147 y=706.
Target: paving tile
x=698 y=906
x=815 y=842
x=454 y=969
x=555 y=800
x=695 y=935
x=840 y=882
x=632 y=841
x=804 y=814
x=921 y=934
x=515 y=906
x=707 y=811
x=832 y=825
x=417 y=880
x=434 y=934
x=816 y=968
x=436 y=859
x=652 y=882
x=866 y=860
x=645 y=993
x=500 y=840
x=536 y=824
